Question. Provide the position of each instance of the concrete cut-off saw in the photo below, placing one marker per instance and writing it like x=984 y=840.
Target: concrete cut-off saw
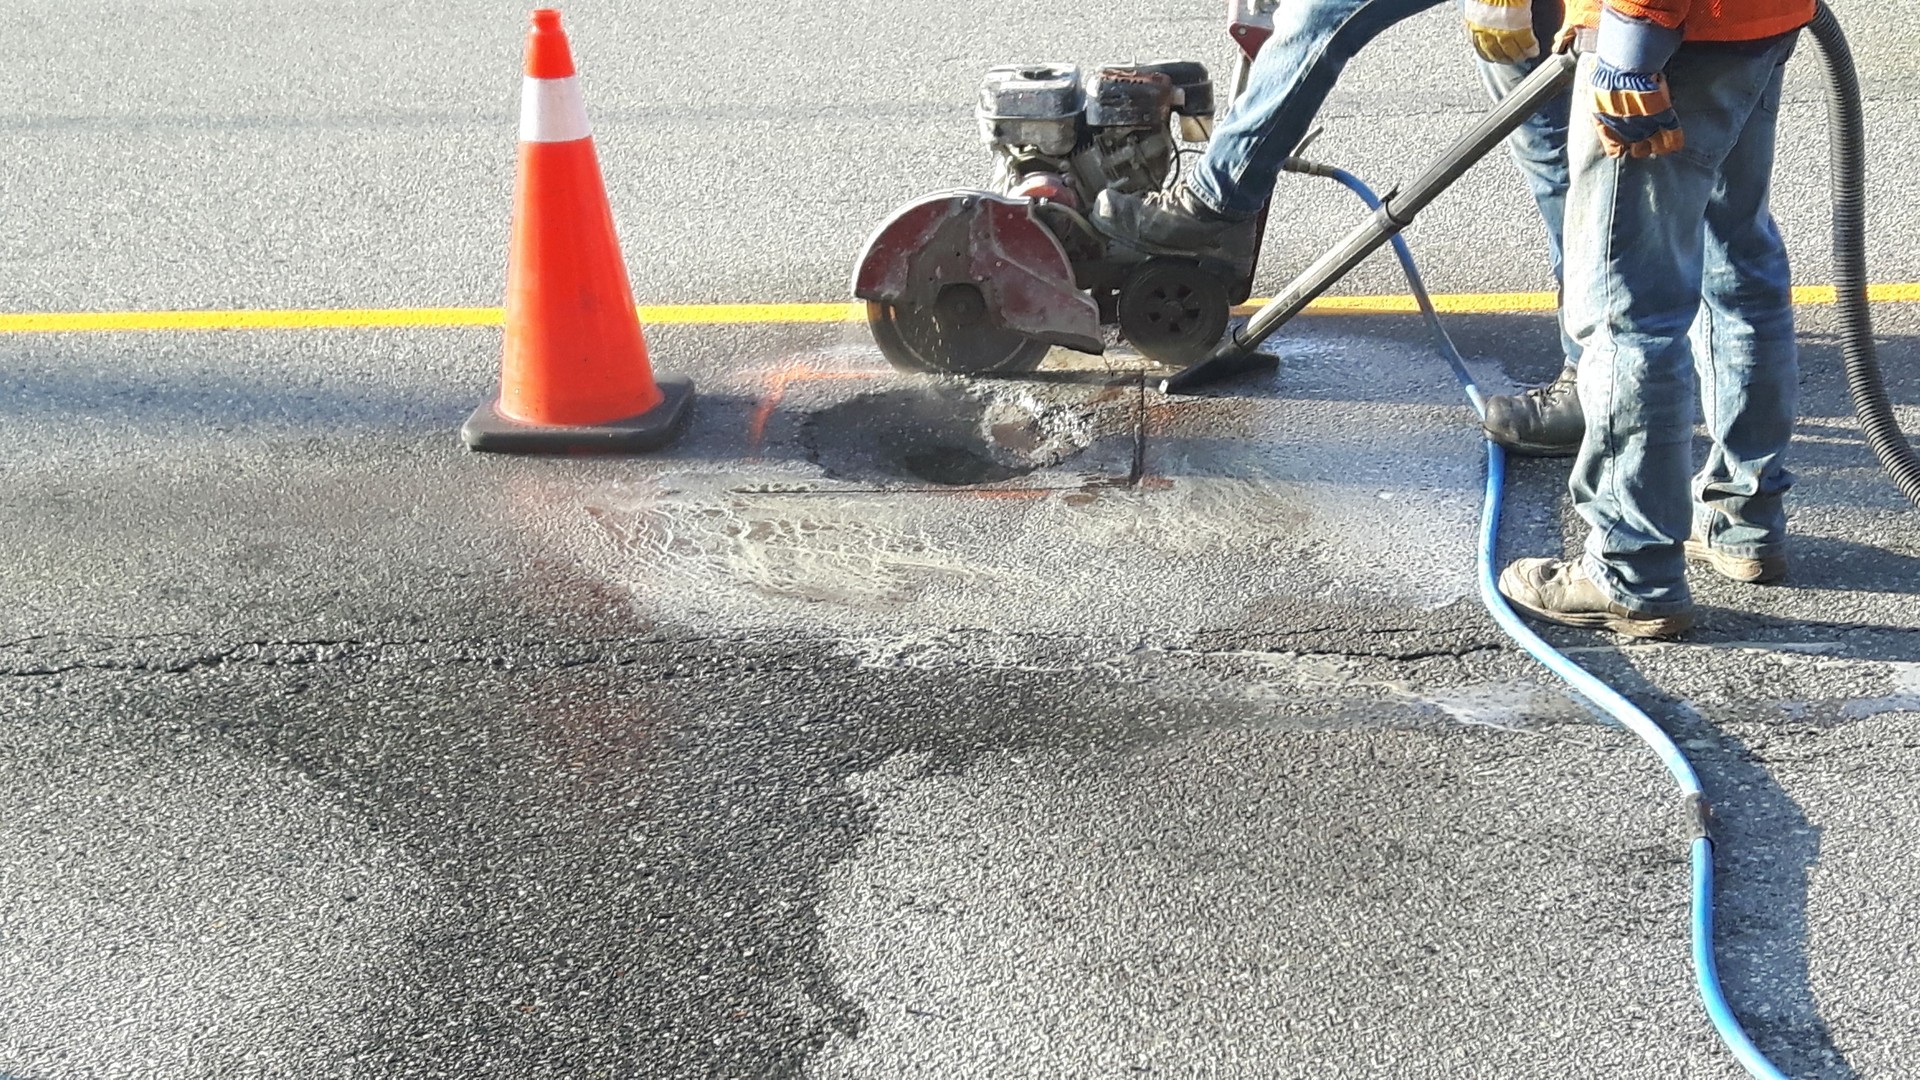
x=980 y=282
x=986 y=282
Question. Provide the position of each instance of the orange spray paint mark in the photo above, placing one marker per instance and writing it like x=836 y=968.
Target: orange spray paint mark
x=797 y=371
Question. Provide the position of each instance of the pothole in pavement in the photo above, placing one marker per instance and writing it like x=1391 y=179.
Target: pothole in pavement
x=948 y=434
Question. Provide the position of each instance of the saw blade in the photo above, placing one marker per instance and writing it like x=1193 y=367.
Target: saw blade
x=954 y=335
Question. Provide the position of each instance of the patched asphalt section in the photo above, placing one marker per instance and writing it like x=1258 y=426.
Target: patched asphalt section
x=595 y=858
x=693 y=857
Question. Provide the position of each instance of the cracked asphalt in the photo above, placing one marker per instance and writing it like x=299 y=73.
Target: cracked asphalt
x=881 y=727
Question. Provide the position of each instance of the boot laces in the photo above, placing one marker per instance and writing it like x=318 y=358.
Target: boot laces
x=1550 y=392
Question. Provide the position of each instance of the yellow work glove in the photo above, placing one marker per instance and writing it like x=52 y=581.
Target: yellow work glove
x=1502 y=30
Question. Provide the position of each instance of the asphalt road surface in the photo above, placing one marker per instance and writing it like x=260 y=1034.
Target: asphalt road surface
x=1124 y=735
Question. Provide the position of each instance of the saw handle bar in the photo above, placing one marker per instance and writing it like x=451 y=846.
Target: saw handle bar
x=1397 y=211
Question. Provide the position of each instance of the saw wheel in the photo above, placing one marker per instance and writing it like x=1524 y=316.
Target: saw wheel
x=953 y=336
x=1172 y=310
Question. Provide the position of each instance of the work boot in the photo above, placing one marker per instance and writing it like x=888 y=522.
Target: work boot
x=1544 y=421
x=1174 y=222
x=1560 y=591
x=1753 y=570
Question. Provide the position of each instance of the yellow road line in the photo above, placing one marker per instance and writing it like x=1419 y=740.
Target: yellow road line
x=742 y=314
x=97 y=321
x=734 y=314
x=356 y=319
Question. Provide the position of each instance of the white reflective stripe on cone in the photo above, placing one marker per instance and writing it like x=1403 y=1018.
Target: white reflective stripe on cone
x=552 y=110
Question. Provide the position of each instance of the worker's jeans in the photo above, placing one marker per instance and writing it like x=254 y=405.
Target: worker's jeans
x=1290 y=79
x=1539 y=146
x=1675 y=270
x=1297 y=69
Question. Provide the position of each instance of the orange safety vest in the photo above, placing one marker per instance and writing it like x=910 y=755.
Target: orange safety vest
x=1704 y=20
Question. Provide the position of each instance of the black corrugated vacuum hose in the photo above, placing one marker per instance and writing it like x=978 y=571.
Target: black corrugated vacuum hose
x=1849 y=150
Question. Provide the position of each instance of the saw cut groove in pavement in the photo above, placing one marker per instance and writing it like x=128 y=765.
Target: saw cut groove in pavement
x=742 y=314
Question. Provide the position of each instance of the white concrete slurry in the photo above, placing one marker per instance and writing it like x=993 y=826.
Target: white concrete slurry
x=1186 y=553
x=1243 y=503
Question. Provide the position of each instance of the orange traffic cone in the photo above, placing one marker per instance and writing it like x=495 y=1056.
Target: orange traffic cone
x=575 y=376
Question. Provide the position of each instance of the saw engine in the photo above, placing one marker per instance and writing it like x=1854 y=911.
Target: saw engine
x=986 y=281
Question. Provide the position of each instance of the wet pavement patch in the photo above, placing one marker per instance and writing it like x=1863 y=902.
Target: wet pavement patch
x=947 y=434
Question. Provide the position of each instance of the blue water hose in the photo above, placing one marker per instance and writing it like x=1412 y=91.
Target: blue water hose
x=1583 y=682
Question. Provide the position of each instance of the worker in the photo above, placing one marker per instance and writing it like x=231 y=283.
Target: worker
x=1214 y=211
x=1674 y=266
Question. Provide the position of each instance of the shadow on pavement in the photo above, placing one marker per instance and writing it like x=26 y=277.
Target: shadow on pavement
x=1729 y=626
x=145 y=404
x=1527 y=348
x=1827 y=563
x=215 y=401
x=1764 y=855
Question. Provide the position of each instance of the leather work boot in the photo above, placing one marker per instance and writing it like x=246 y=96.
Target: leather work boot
x=1753 y=570
x=1559 y=591
x=1175 y=223
x=1544 y=421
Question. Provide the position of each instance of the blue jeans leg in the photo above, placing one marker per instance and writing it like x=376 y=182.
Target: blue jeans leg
x=1289 y=81
x=1637 y=263
x=1539 y=147
x=1745 y=355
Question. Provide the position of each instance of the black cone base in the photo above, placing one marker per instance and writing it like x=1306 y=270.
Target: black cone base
x=487 y=430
